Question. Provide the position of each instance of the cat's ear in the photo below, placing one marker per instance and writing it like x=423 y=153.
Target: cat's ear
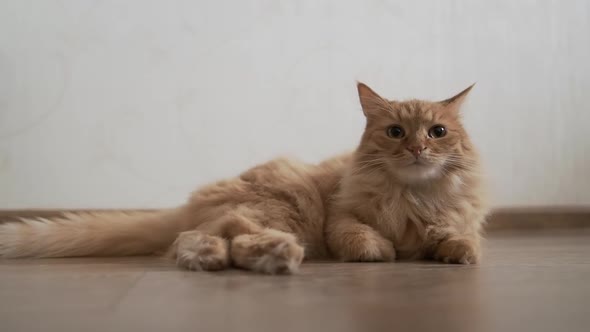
x=455 y=102
x=371 y=102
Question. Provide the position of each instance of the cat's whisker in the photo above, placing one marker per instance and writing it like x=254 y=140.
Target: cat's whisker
x=368 y=166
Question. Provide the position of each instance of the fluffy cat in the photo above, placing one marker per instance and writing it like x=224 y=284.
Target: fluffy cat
x=411 y=190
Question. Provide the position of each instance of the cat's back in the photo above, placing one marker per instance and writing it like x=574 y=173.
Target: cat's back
x=294 y=175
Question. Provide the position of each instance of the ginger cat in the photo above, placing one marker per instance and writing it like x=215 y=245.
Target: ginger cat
x=411 y=190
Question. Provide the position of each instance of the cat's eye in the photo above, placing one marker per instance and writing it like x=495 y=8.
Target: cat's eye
x=437 y=131
x=396 y=132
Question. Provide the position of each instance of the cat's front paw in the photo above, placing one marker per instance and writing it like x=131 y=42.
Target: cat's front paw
x=459 y=251
x=367 y=247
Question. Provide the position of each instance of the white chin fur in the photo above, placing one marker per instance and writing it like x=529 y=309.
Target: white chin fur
x=417 y=173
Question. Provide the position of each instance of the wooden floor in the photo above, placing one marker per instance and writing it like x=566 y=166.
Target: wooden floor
x=528 y=282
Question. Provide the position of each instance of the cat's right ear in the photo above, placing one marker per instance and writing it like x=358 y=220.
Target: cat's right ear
x=455 y=102
x=371 y=102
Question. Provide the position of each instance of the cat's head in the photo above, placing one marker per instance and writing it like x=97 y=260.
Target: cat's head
x=414 y=139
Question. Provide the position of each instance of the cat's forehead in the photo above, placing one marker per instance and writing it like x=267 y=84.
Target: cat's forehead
x=416 y=110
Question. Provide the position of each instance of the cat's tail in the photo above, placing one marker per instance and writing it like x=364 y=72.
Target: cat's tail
x=91 y=234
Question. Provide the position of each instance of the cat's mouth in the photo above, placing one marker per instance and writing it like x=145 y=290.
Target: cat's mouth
x=419 y=162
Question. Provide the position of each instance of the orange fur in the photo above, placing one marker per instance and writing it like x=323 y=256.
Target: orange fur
x=407 y=197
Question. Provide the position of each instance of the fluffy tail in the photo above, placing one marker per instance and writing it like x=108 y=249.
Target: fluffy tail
x=90 y=234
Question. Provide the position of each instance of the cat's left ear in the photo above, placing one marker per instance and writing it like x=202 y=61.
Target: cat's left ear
x=454 y=103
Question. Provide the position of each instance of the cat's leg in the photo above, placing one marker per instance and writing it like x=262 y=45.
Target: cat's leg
x=257 y=248
x=450 y=246
x=252 y=246
x=196 y=250
x=207 y=247
x=350 y=240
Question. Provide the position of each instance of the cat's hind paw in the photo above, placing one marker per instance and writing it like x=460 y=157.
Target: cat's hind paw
x=197 y=251
x=270 y=252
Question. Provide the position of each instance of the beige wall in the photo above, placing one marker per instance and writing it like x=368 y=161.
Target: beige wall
x=135 y=103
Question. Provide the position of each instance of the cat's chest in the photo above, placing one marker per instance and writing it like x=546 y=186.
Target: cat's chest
x=403 y=218
x=402 y=206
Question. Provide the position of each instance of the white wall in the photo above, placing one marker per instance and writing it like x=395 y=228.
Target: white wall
x=136 y=103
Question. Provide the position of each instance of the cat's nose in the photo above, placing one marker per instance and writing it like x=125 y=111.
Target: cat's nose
x=416 y=150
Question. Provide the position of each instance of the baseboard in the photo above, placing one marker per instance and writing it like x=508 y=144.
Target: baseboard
x=529 y=218
x=505 y=219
